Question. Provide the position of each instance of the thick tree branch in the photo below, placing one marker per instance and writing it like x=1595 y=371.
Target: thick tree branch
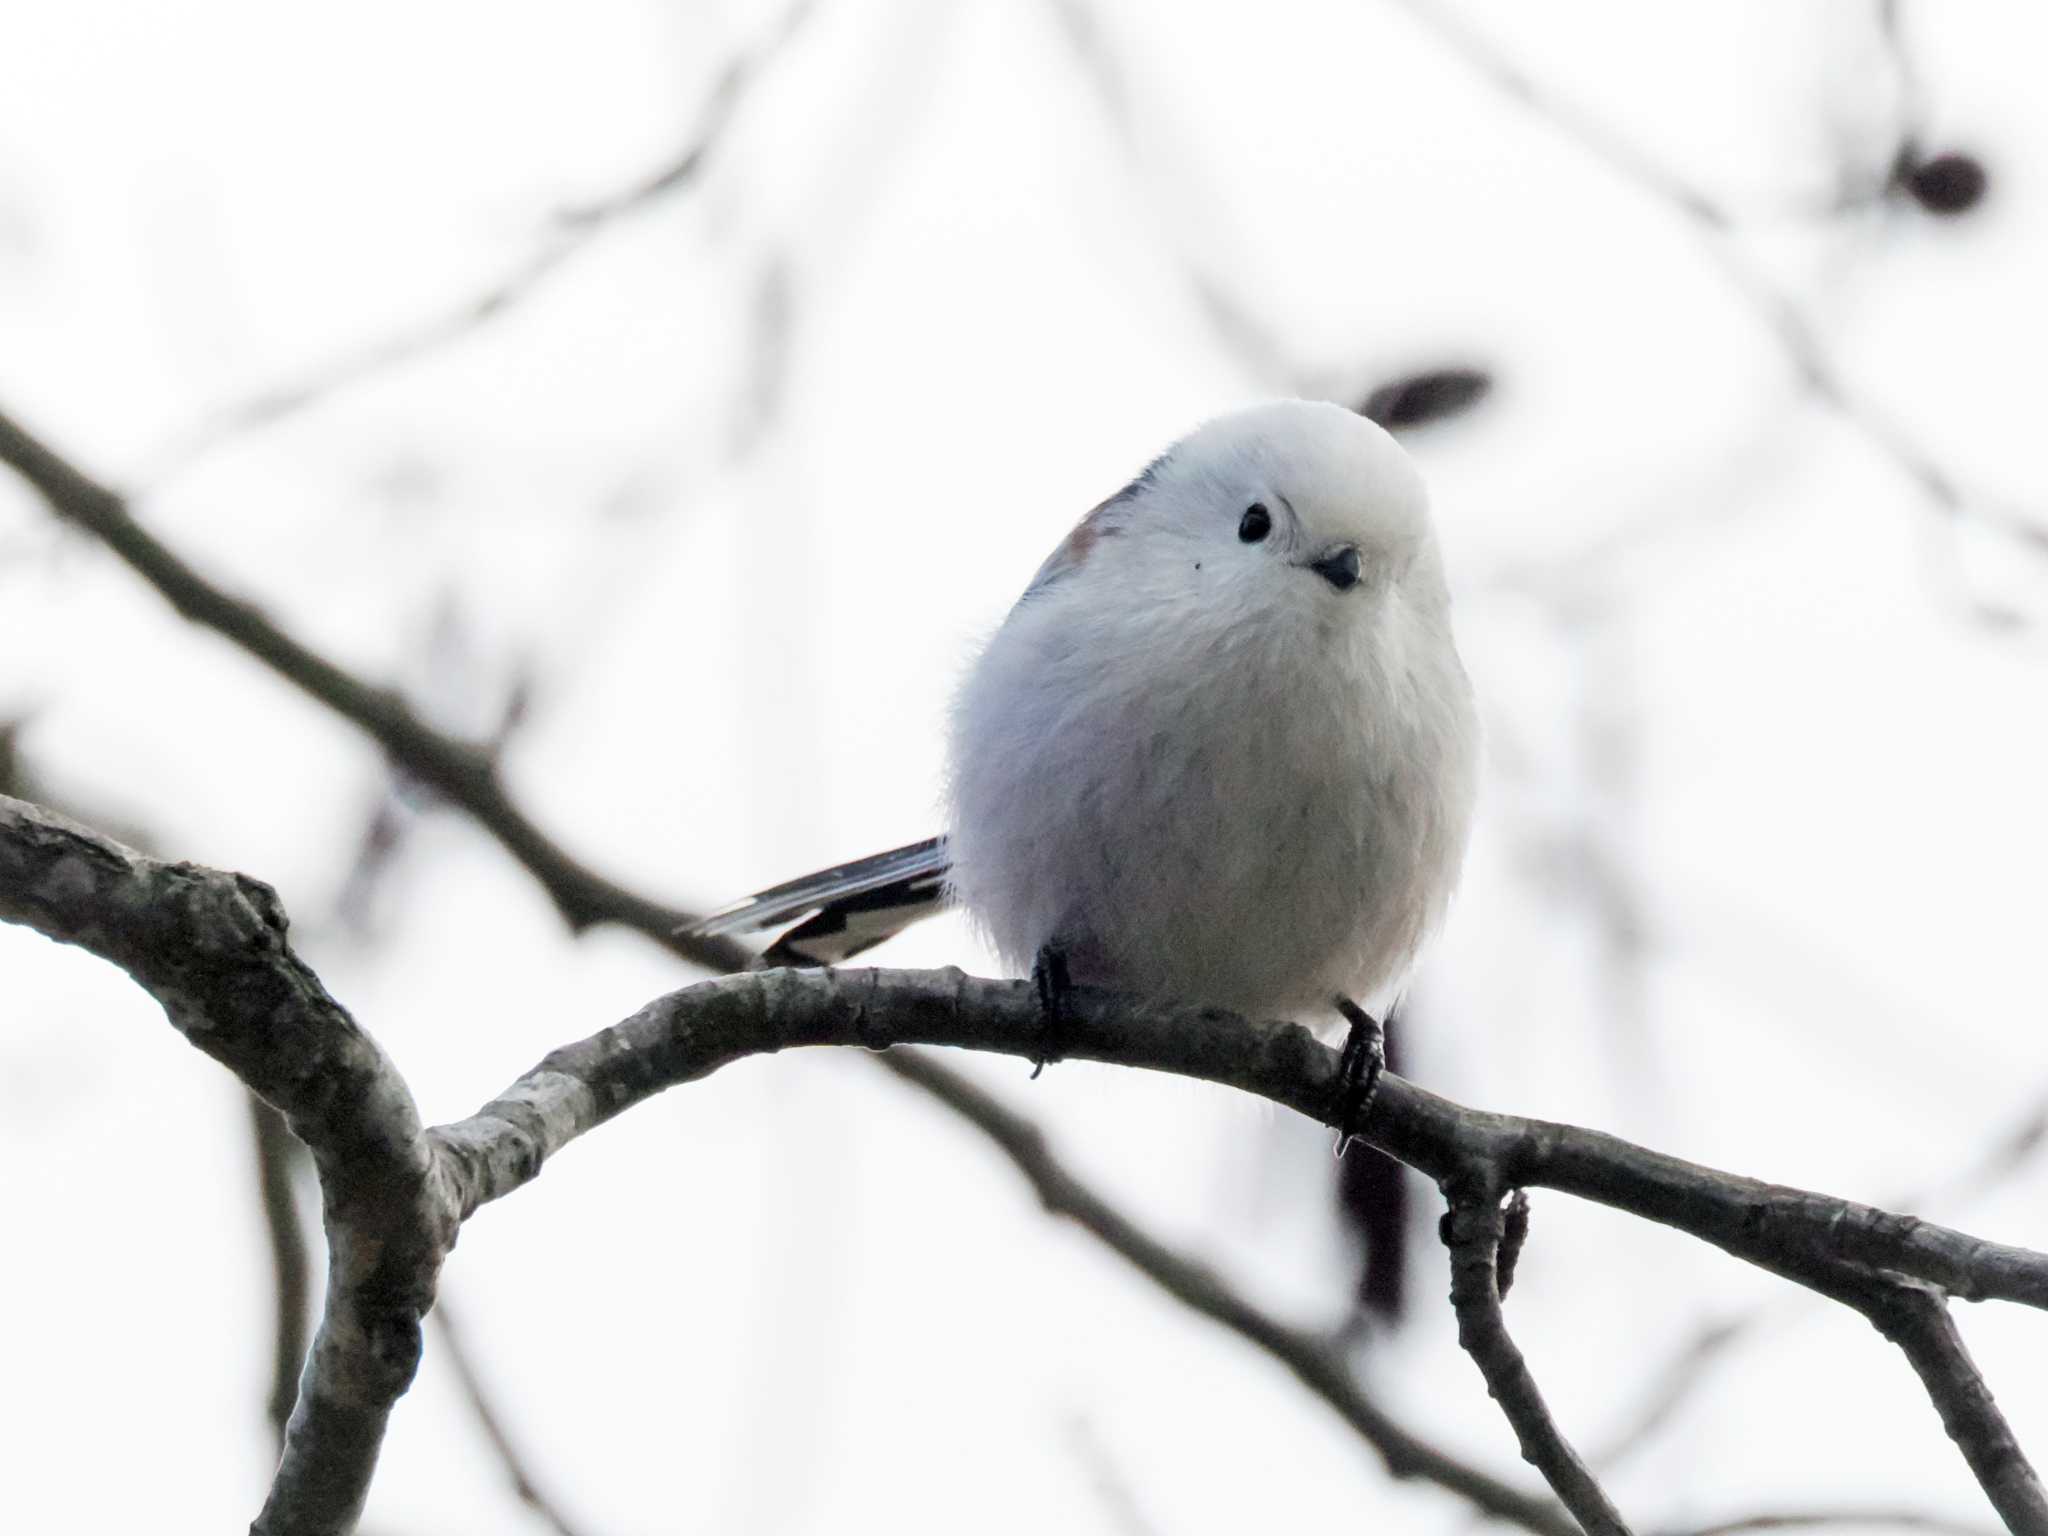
x=1916 y=1318
x=1475 y=1230
x=211 y=948
x=691 y=1033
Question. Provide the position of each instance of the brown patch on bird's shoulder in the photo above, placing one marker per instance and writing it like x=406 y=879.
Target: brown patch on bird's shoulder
x=1073 y=550
x=1093 y=528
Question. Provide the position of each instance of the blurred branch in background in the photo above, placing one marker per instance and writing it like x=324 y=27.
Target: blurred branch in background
x=570 y=232
x=1112 y=1488
x=1944 y=185
x=1822 y=1519
x=1691 y=1365
x=456 y=1350
x=291 y=1262
x=465 y=772
x=1316 y=1362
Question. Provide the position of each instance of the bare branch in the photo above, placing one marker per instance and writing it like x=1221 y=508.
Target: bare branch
x=1813 y=365
x=211 y=948
x=289 y=1262
x=1112 y=1489
x=1475 y=1230
x=1848 y=1514
x=1690 y=1364
x=466 y=773
x=1916 y=1318
x=1680 y=1377
x=573 y=229
x=530 y=1493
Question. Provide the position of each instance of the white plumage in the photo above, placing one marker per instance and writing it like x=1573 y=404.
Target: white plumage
x=1222 y=750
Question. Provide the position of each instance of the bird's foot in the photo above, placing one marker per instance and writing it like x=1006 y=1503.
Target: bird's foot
x=1055 y=988
x=1358 y=1071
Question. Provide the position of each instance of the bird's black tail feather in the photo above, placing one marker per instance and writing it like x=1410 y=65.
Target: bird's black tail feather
x=841 y=911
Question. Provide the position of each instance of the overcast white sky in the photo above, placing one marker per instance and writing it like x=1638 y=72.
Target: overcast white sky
x=1760 y=873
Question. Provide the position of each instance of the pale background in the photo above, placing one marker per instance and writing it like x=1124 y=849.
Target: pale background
x=1759 y=877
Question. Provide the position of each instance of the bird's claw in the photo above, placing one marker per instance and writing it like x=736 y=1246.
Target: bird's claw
x=1364 y=1058
x=1055 y=987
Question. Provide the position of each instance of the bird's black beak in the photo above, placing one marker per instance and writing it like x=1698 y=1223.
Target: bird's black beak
x=1339 y=567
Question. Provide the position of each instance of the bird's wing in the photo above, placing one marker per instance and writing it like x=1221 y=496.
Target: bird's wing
x=844 y=910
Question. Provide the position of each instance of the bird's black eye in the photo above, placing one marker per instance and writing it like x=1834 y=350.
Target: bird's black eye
x=1256 y=523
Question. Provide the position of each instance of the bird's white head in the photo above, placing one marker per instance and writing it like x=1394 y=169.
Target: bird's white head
x=1293 y=505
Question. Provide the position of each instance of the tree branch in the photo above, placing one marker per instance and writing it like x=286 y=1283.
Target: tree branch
x=1694 y=1360
x=288 y=1261
x=211 y=947
x=1815 y=368
x=1916 y=1318
x=465 y=772
x=529 y=1492
x=1474 y=1230
x=1820 y=1519
x=572 y=231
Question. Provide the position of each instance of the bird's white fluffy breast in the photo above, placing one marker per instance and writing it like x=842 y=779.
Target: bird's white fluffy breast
x=1207 y=795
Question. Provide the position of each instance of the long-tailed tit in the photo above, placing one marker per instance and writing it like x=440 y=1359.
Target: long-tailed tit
x=1222 y=750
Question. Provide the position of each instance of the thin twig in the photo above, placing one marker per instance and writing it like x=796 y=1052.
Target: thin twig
x=1814 y=366
x=276 y=1152
x=1112 y=1488
x=466 y=773
x=456 y=1351
x=1474 y=1230
x=1310 y=1357
x=1822 y=1519
x=572 y=230
x=1689 y=1365
x=1681 y=1376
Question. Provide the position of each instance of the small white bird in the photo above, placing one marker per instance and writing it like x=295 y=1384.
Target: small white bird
x=1221 y=751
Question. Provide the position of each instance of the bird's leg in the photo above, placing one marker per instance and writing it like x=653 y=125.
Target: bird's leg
x=1358 y=1071
x=1049 y=975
